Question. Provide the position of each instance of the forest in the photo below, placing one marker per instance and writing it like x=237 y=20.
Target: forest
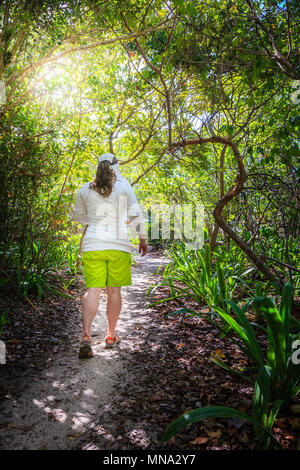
x=199 y=100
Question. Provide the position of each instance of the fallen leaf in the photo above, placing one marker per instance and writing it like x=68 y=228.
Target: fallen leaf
x=220 y=354
x=74 y=436
x=199 y=440
x=216 y=434
x=288 y=436
x=21 y=427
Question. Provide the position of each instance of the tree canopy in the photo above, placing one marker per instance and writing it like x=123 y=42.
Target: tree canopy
x=197 y=99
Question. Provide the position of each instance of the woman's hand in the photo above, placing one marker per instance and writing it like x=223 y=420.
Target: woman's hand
x=143 y=247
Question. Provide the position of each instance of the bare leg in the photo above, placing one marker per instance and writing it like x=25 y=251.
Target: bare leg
x=113 y=308
x=89 y=306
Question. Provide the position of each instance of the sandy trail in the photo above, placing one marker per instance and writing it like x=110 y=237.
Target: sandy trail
x=57 y=408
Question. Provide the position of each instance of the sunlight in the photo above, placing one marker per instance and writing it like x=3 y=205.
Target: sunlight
x=58 y=84
x=89 y=393
x=57 y=413
x=80 y=421
x=58 y=385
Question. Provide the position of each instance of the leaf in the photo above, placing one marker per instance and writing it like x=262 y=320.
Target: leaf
x=73 y=436
x=200 y=414
x=220 y=354
x=253 y=343
x=216 y=360
x=216 y=434
x=199 y=440
x=285 y=308
x=261 y=397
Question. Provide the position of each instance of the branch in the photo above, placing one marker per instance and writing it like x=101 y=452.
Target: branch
x=232 y=192
x=143 y=143
x=283 y=264
x=47 y=59
x=150 y=167
x=159 y=73
x=282 y=62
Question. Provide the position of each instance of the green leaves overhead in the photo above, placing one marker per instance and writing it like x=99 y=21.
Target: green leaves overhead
x=90 y=76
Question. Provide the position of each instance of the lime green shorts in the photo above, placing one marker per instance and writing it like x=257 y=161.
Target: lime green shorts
x=103 y=268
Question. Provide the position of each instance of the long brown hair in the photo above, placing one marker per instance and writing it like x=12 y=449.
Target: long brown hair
x=104 y=180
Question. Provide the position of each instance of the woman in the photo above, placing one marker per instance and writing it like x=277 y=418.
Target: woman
x=107 y=205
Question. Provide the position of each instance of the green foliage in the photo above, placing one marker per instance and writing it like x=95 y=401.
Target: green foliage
x=70 y=100
x=278 y=376
x=29 y=276
x=244 y=331
x=284 y=373
x=262 y=419
x=205 y=282
x=3 y=319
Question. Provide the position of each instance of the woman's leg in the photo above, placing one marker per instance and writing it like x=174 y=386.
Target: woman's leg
x=89 y=307
x=113 y=308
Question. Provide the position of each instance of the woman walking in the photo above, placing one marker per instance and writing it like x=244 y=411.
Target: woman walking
x=107 y=206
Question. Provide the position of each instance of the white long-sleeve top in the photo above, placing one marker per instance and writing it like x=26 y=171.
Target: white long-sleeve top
x=108 y=218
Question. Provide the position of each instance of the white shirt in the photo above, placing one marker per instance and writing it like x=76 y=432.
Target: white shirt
x=108 y=217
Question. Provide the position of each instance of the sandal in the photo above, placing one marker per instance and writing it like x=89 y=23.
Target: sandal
x=85 y=349
x=115 y=340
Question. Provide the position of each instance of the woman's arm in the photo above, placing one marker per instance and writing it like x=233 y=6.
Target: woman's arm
x=80 y=213
x=135 y=216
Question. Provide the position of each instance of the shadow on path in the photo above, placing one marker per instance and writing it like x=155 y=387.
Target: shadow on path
x=58 y=407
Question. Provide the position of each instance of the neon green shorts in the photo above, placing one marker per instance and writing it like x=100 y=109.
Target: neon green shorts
x=103 y=268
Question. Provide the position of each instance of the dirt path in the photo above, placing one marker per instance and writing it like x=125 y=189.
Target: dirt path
x=61 y=404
